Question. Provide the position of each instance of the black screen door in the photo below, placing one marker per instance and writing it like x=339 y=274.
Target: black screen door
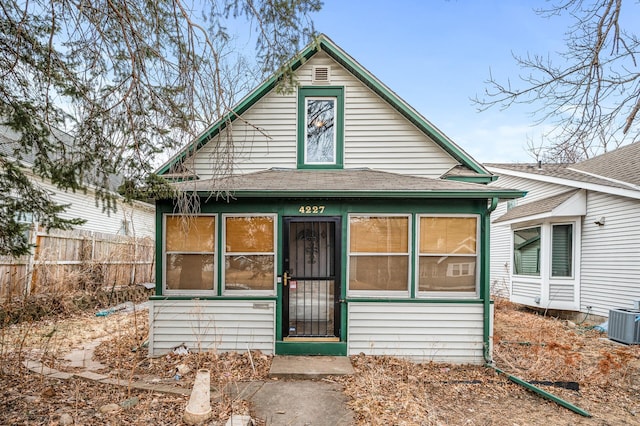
x=311 y=287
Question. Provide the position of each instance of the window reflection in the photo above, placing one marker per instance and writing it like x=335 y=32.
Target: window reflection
x=320 y=132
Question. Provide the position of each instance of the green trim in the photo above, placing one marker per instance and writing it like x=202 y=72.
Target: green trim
x=325 y=91
x=404 y=300
x=485 y=288
x=473 y=179
x=311 y=348
x=499 y=193
x=159 y=247
x=199 y=297
x=323 y=43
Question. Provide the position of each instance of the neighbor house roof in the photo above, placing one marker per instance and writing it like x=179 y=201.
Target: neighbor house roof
x=324 y=44
x=339 y=183
x=622 y=164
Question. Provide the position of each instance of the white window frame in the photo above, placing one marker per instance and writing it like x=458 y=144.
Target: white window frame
x=385 y=293
x=224 y=253
x=573 y=251
x=545 y=280
x=447 y=294
x=541 y=265
x=186 y=292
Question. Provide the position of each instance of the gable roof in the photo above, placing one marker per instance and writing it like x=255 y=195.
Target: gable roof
x=324 y=44
x=341 y=183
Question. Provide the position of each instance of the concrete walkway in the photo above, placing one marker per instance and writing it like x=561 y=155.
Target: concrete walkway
x=298 y=395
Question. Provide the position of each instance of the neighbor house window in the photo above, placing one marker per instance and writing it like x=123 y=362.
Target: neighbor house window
x=320 y=127
x=526 y=251
x=378 y=253
x=190 y=253
x=448 y=254
x=249 y=254
x=562 y=250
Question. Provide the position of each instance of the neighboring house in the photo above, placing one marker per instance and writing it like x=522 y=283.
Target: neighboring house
x=354 y=226
x=131 y=219
x=573 y=243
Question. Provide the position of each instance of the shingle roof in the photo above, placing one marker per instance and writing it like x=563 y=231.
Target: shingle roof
x=340 y=181
x=622 y=164
x=561 y=171
x=545 y=205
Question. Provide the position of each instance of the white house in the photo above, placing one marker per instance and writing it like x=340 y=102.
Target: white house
x=355 y=226
x=573 y=243
x=131 y=219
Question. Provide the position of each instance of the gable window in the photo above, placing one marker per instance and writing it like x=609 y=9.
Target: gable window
x=526 y=251
x=379 y=254
x=189 y=260
x=448 y=252
x=249 y=254
x=320 y=127
x=562 y=250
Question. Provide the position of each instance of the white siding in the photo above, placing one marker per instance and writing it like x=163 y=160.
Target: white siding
x=500 y=251
x=140 y=216
x=211 y=325
x=500 y=269
x=376 y=136
x=421 y=331
x=610 y=253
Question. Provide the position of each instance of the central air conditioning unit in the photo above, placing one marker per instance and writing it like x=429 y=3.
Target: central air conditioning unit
x=624 y=326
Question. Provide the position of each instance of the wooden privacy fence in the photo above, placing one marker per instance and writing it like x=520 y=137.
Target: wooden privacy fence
x=70 y=261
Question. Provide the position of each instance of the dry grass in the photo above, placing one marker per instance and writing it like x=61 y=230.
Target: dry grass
x=383 y=391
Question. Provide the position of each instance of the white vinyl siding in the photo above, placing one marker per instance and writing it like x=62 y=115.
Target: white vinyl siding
x=526 y=290
x=211 y=325
x=610 y=253
x=375 y=135
x=500 y=250
x=441 y=332
x=140 y=217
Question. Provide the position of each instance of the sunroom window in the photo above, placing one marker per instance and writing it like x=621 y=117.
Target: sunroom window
x=378 y=253
x=249 y=255
x=448 y=252
x=189 y=253
x=526 y=251
x=562 y=250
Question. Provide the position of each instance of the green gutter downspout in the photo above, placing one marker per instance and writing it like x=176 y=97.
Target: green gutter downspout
x=486 y=294
x=543 y=393
x=486 y=289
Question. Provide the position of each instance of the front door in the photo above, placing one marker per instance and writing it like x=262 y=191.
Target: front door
x=311 y=279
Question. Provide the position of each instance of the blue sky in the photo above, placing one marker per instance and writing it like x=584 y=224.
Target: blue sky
x=436 y=55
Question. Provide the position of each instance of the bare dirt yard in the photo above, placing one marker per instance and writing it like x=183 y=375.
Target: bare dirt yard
x=573 y=362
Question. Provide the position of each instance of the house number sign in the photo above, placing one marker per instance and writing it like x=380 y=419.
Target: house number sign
x=311 y=209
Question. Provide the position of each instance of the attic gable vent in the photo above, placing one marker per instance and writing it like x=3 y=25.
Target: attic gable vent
x=321 y=74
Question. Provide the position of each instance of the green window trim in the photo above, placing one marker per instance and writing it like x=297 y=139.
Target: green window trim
x=321 y=93
x=186 y=251
x=468 y=254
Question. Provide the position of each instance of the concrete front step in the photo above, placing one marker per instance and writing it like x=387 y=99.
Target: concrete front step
x=309 y=367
